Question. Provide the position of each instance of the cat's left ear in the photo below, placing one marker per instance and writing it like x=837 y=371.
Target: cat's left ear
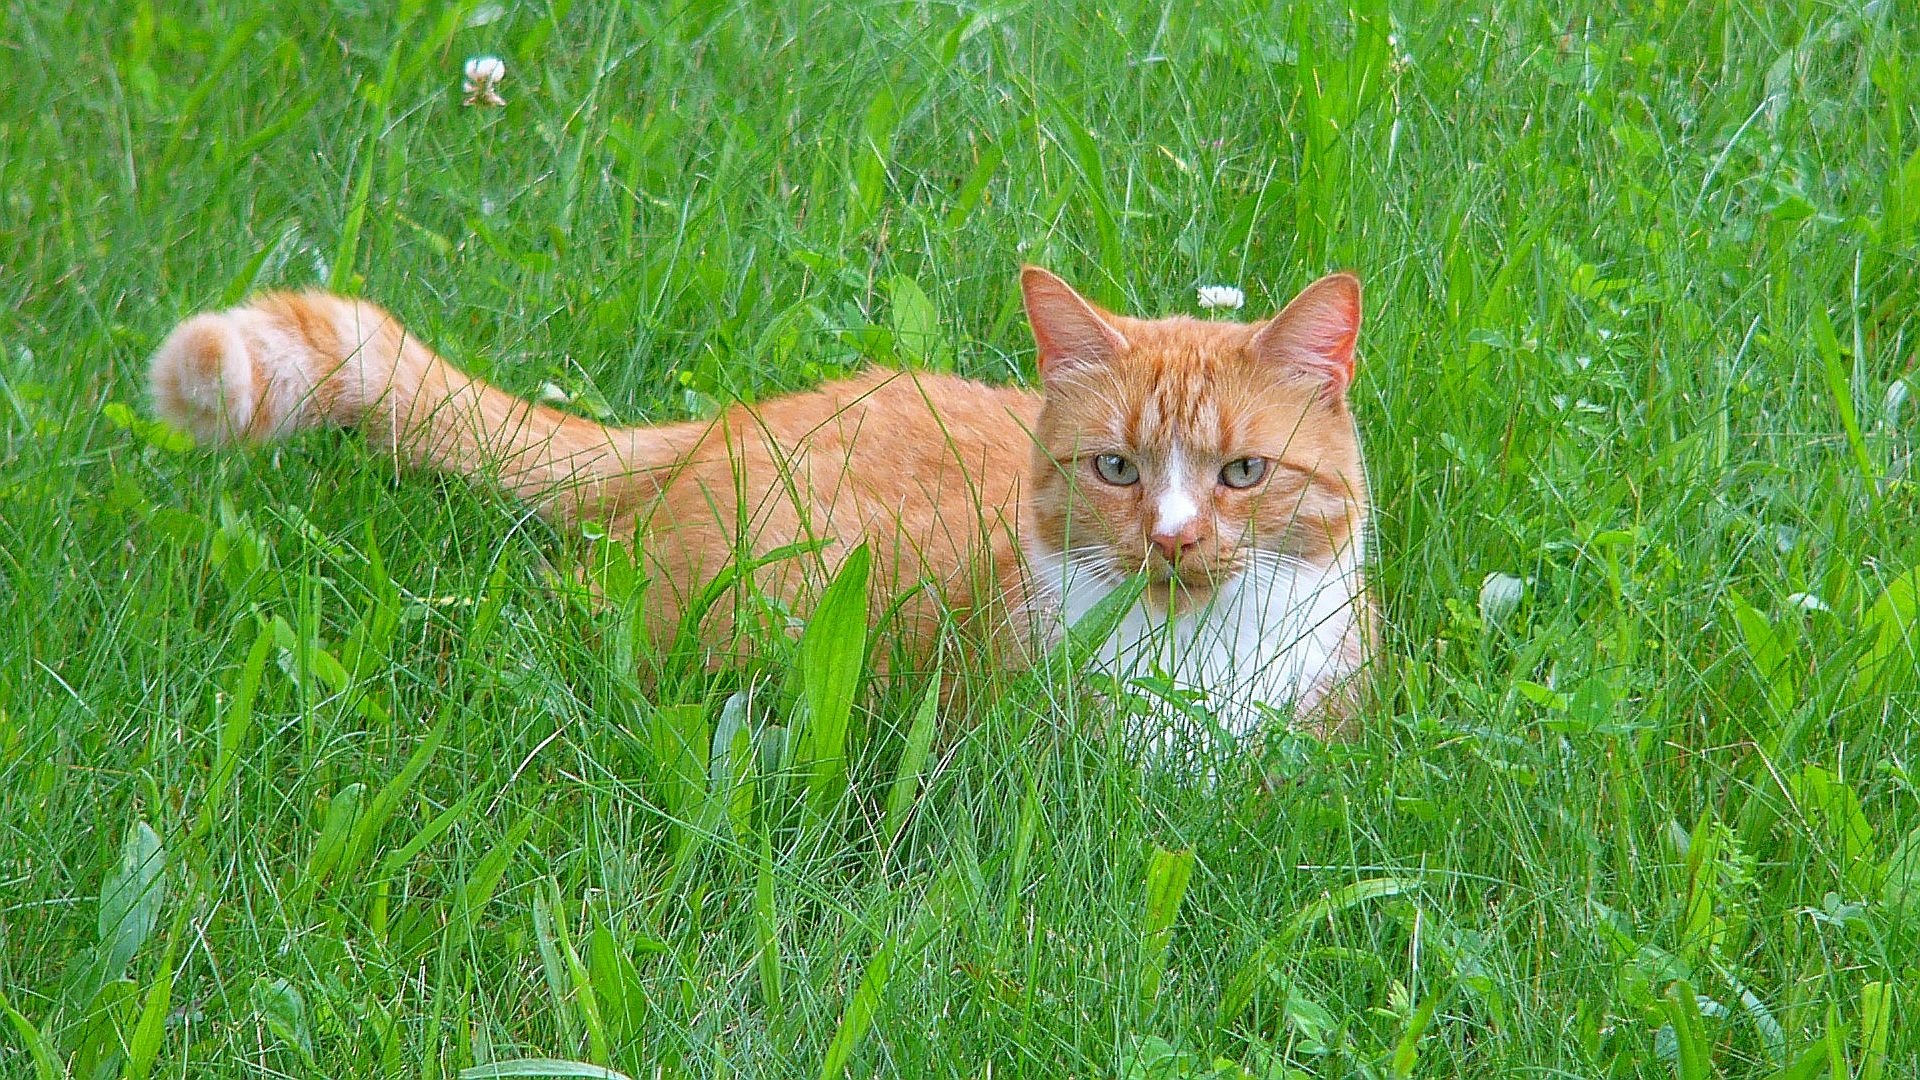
x=1314 y=336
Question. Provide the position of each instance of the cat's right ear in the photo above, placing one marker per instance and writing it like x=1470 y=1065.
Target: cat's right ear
x=1071 y=333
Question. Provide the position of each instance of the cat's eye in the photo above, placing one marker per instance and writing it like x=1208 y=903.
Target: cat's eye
x=1116 y=470
x=1244 y=473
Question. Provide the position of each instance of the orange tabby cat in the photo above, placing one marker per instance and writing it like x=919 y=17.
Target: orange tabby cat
x=1220 y=459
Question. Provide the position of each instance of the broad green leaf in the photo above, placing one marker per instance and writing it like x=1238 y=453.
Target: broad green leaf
x=397 y=860
x=336 y=832
x=679 y=739
x=617 y=986
x=1085 y=637
x=872 y=155
x=918 y=332
x=1681 y=1006
x=1839 y=379
x=1023 y=834
x=103 y=1030
x=1769 y=649
x=833 y=649
x=1838 y=1067
x=1893 y=625
x=1810 y=1065
x=1701 y=930
x=975 y=185
x=766 y=930
x=730 y=771
x=1901 y=203
x=1084 y=148
x=130 y=902
x=236 y=725
x=1347 y=896
x=155 y=433
x=584 y=999
x=1264 y=963
x=486 y=620
x=150 y=1032
x=539 y=1067
x=1154 y=1058
x=1407 y=1050
x=282 y=1009
x=1876 y=1027
x=1167 y=876
x=1833 y=803
x=1900 y=878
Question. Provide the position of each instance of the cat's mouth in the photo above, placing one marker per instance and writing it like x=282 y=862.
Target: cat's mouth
x=1182 y=593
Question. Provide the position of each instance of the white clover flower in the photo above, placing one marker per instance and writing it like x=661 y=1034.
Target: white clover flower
x=1221 y=296
x=1500 y=596
x=483 y=75
x=1808 y=602
x=1897 y=392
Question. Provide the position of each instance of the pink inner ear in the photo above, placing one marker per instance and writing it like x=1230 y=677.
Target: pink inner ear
x=1069 y=331
x=1317 y=332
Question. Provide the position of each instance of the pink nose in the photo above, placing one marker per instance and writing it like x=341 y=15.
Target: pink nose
x=1173 y=545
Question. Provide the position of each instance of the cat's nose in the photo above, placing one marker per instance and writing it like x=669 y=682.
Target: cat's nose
x=1176 y=543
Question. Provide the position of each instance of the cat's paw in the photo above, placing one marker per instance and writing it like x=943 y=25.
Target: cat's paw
x=203 y=379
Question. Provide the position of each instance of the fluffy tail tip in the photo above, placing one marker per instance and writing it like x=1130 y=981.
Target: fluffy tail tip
x=202 y=379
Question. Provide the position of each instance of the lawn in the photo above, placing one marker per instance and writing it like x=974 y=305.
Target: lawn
x=308 y=769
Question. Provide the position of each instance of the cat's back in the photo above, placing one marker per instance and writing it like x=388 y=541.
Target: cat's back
x=884 y=421
x=928 y=467
x=882 y=449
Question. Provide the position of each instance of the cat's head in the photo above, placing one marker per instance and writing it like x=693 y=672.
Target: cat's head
x=1190 y=449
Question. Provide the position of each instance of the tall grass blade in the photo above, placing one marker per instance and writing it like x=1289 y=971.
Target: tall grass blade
x=477 y=891
x=552 y=965
x=236 y=725
x=913 y=762
x=38 y=1048
x=858 y=1015
x=366 y=831
x=1839 y=382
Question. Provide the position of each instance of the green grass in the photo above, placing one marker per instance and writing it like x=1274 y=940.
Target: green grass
x=306 y=770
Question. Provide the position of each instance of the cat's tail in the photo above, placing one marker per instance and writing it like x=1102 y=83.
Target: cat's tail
x=285 y=362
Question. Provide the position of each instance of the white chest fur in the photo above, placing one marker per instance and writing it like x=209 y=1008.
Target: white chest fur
x=1275 y=635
